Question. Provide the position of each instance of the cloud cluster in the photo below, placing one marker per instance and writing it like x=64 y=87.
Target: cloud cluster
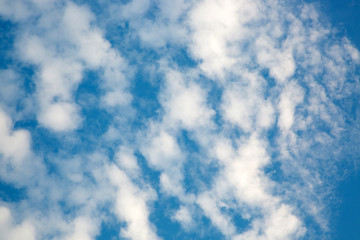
x=220 y=111
x=62 y=42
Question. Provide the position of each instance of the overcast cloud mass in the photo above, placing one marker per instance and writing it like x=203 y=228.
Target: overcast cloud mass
x=174 y=119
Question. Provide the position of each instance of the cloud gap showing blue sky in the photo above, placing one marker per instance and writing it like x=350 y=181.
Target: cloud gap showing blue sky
x=179 y=119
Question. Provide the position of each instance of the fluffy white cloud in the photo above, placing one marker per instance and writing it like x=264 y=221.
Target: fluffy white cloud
x=259 y=89
x=84 y=229
x=280 y=62
x=184 y=217
x=244 y=104
x=163 y=153
x=242 y=178
x=61 y=69
x=291 y=96
x=131 y=206
x=185 y=103
x=134 y=8
x=220 y=24
x=14 y=144
x=11 y=230
x=60 y=117
x=212 y=211
x=166 y=29
x=126 y=160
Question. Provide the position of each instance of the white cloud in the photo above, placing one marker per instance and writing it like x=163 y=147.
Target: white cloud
x=291 y=96
x=13 y=98
x=280 y=224
x=131 y=206
x=60 y=117
x=212 y=211
x=10 y=230
x=134 y=8
x=16 y=10
x=251 y=185
x=242 y=178
x=163 y=151
x=84 y=229
x=166 y=28
x=280 y=62
x=10 y=87
x=185 y=103
x=14 y=144
x=275 y=73
x=126 y=160
x=184 y=217
x=243 y=104
x=219 y=24
x=184 y=106
x=61 y=69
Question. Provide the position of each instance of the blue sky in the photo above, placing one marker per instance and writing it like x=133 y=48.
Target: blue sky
x=179 y=119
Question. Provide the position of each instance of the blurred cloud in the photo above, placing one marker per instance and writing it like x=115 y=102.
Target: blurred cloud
x=9 y=230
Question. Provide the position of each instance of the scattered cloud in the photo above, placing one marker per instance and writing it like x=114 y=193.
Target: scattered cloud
x=190 y=118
